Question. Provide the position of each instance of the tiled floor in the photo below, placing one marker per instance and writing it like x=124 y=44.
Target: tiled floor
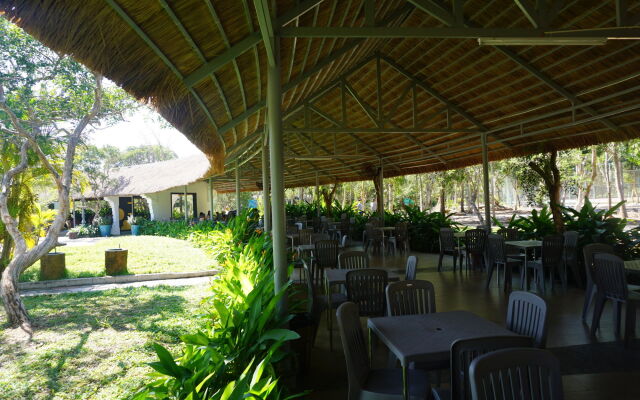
x=466 y=291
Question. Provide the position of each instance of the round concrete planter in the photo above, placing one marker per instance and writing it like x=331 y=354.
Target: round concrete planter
x=115 y=261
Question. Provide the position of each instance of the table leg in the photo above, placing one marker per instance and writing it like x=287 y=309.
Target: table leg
x=329 y=311
x=405 y=383
x=525 y=282
x=370 y=349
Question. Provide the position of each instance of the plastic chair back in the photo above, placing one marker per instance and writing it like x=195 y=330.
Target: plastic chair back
x=366 y=288
x=316 y=237
x=326 y=253
x=610 y=277
x=527 y=316
x=464 y=351
x=410 y=298
x=354 y=346
x=447 y=240
x=496 y=248
x=353 y=260
x=518 y=373
x=475 y=240
x=552 y=250
x=305 y=236
x=588 y=251
x=509 y=233
x=411 y=269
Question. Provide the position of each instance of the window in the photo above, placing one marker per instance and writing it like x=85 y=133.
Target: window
x=180 y=207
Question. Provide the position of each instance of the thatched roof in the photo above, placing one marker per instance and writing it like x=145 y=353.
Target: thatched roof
x=202 y=64
x=154 y=177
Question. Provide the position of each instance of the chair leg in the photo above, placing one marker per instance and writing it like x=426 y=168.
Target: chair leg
x=490 y=274
x=440 y=261
x=598 y=306
x=617 y=314
x=588 y=299
x=455 y=260
x=629 y=323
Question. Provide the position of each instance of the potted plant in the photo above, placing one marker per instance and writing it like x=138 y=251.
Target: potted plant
x=104 y=220
x=135 y=222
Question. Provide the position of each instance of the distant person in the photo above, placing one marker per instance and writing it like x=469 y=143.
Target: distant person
x=209 y=215
x=201 y=216
x=360 y=206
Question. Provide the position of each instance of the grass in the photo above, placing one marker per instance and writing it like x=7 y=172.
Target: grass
x=94 y=345
x=147 y=254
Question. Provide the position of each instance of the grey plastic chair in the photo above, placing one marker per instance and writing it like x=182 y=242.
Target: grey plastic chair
x=305 y=236
x=448 y=246
x=588 y=251
x=316 y=237
x=411 y=269
x=474 y=245
x=509 y=233
x=366 y=288
x=464 y=351
x=551 y=260
x=527 y=316
x=570 y=257
x=611 y=281
x=497 y=258
x=353 y=260
x=373 y=384
x=326 y=253
x=410 y=297
x=518 y=373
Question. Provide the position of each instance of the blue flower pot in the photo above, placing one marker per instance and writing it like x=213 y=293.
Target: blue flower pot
x=135 y=230
x=105 y=230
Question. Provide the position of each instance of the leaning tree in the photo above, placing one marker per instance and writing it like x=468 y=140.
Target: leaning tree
x=47 y=103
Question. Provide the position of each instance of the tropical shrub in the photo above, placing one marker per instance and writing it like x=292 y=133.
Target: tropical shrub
x=232 y=356
x=600 y=226
x=536 y=226
x=424 y=228
x=85 y=230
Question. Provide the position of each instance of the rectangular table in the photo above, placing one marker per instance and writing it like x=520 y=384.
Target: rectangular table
x=632 y=266
x=428 y=337
x=525 y=245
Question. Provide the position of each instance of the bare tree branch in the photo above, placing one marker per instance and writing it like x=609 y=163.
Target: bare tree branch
x=10 y=223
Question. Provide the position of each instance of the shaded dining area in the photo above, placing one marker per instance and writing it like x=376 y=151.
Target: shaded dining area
x=311 y=93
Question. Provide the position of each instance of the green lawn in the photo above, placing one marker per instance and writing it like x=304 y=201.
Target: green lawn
x=147 y=254
x=94 y=345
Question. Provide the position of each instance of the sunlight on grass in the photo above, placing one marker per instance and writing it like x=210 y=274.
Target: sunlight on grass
x=94 y=345
x=147 y=254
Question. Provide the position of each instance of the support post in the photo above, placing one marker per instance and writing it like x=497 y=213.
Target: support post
x=276 y=158
x=485 y=180
x=266 y=204
x=210 y=198
x=381 y=195
x=237 y=189
x=317 y=197
x=184 y=205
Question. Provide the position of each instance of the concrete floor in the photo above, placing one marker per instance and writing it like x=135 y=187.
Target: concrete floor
x=466 y=291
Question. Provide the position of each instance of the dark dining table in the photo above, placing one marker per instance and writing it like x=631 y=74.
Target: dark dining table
x=428 y=337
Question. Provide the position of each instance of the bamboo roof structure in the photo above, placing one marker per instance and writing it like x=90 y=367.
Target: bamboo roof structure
x=411 y=85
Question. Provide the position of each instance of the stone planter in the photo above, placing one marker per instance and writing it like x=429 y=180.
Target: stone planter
x=135 y=230
x=105 y=230
x=52 y=266
x=73 y=235
x=115 y=261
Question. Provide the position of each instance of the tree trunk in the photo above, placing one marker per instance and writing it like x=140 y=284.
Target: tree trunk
x=515 y=191
x=594 y=173
x=619 y=176
x=551 y=176
x=14 y=307
x=471 y=201
x=462 y=198
x=420 y=194
x=494 y=198
x=442 y=207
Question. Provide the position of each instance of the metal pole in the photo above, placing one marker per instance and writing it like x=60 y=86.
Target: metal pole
x=485 y=180
x=211 y=198
x=237 y=190
x=266 y=204
x=317 y=194
x=381 y=202
x=184 y=204
x=276 y=153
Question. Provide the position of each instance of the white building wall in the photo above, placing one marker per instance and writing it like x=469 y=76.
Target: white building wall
x=160 y=202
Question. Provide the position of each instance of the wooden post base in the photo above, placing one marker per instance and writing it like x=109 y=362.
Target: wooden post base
x=115 y=261
x=52 y=266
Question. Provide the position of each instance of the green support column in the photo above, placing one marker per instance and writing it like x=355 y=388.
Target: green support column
x=266 y=204
x=185 y=209
x=237 y=189
x=211 y=199
x=318 y=194
x=381 y=204
x=485 y=180
x=276 y=153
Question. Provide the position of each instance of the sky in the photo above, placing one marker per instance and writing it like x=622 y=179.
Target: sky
x=144 y=127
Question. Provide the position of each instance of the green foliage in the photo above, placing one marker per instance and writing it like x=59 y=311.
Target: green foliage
x=424 y=228
x=536 y=226
x=86 y=230
x=135 y=219
x=600 y=226
x=241 y=325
